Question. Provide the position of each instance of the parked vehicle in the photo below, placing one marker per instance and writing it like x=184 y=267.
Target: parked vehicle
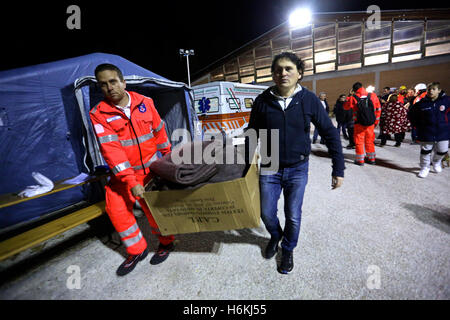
x=225 y=106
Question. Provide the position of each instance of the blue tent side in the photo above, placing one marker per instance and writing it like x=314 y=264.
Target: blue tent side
x=41 y=131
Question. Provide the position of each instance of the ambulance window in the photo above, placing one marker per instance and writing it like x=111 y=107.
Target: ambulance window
x=248 y=102
x=234 y=103
x=213 y=104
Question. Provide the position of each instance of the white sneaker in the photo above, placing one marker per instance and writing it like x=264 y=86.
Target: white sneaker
x=424 y=172
x=437 y=167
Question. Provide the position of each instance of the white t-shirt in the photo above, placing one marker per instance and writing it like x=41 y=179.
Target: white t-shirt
x=126 y=109
x=284 y=102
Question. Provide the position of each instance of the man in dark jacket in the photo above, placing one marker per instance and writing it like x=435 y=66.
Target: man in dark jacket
x=431 y=117
x=344 y=119
x=385 y=95
x=288 y=109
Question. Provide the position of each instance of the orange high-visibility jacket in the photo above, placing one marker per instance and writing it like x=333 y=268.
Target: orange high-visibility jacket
x=351 y=103
x=419 y=97
x=129 y=145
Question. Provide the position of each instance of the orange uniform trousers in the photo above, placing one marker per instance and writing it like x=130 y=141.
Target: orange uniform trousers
x=119 y=207
x=364 y=142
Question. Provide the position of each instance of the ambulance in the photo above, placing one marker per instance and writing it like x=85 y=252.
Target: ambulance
x=223 y=106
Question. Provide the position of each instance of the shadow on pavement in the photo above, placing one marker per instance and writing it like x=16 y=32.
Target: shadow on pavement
x=439 y=219
x=102 y=229
x=41 y=255
x=324 y=154
x=207 y=242
x=388 y=164
x=379 y=162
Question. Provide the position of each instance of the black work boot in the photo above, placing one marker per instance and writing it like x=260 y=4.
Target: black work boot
x=287 y=262
x=162 y=253
x=272 y=248
x=128 y=265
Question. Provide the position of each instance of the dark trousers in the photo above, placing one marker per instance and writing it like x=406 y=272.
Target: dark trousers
x=413 y=134
x=316 y=134
x=343 y=125
x=397 y=136
x=351 y=130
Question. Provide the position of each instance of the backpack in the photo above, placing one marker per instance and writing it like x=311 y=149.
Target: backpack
x=366 y=111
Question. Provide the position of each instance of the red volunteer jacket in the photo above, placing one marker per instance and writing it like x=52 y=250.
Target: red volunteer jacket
x=419 y=97
x=351 y=103
x=129 y=145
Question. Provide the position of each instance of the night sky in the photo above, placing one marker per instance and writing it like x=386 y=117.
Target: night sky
x=151 y=33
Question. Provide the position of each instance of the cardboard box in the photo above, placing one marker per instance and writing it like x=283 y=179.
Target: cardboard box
x=218 y=206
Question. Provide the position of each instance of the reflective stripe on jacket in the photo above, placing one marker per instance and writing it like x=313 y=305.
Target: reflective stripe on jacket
x=420 y=97
x=129 y=145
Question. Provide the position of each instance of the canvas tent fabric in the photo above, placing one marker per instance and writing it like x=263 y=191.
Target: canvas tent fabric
x=44 y=128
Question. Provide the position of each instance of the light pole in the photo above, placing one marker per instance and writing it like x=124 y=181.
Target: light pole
x=187 y=53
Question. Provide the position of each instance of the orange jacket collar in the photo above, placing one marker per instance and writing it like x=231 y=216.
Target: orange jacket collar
x=136 y=100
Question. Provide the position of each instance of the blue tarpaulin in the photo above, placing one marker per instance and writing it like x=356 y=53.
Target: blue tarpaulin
x=43 y=128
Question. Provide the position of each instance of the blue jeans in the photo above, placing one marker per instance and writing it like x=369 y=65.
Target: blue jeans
x=293 y=182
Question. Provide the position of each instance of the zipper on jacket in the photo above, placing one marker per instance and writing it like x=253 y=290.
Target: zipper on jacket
x=285 y=128
x=435 y=120
x=284 y=138
x=139 y=147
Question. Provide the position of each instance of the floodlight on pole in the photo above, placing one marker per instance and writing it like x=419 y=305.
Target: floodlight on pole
x=300 y=17
x=187 y=53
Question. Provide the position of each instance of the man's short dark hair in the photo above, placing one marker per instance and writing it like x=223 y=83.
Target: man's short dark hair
x=357 y=86
x=292 y=57
x=110 y=67
x=388 y=88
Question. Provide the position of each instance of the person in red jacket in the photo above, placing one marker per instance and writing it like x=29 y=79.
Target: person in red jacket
x=364 y=136
x=130 y=132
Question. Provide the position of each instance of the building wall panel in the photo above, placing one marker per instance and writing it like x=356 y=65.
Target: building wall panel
x=412 y=76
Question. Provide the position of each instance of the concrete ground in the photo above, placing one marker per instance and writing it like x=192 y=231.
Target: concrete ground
x=385 y=234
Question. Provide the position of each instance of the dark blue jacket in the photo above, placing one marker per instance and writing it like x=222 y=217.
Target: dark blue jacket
x=342 y=116
x=294 y=127
x=431 y=118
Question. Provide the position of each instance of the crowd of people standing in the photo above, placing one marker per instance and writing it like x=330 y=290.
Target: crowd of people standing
x=423 y=111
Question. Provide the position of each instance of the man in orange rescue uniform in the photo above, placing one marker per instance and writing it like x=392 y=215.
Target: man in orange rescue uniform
x=364 y=136
x=129 y=131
